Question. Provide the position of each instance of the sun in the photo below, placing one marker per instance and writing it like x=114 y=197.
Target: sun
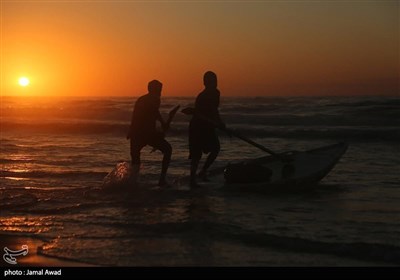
x=23 y=81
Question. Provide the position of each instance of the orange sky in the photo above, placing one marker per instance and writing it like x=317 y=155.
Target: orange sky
x=256 y=47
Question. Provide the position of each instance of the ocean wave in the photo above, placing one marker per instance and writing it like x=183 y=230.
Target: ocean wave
x=16 y=200
x=367 y=102
x=120 y=109
x=52 y=174
x=337 y=134
x=284 y=128
x=359 y=250
x=373 y=252
x=65 y=128
x=91 y=220
x=369 y=118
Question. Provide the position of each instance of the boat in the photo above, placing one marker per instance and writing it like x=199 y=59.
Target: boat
x=284 y=172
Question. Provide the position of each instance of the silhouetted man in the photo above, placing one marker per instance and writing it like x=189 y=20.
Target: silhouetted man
x=143 y=131
x=202 y=134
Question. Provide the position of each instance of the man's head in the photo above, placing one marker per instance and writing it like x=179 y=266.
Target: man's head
x=155 y=87
x=210 y=79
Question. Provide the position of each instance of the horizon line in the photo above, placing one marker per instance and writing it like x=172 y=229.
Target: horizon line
x=194 y=96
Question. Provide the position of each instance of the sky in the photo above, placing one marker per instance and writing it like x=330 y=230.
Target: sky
x=257 y=48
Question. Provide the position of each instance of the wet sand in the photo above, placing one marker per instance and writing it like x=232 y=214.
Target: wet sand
x=33 y=258
x=223 y=254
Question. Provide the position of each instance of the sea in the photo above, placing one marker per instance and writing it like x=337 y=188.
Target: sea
x=55 y=153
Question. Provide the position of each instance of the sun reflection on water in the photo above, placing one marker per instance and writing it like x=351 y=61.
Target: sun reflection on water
x=28 y=224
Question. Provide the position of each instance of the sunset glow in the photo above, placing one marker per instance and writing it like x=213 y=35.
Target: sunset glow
x=266 y=48
x=23 y=81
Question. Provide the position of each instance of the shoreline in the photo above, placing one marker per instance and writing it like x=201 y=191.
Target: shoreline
x=33 y=258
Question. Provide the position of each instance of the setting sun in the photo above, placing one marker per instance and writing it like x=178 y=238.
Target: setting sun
x=23 y=81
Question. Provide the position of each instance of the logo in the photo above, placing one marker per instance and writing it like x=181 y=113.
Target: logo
x=10 y=255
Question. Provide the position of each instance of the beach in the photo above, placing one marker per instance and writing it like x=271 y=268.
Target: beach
x=56 y=152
